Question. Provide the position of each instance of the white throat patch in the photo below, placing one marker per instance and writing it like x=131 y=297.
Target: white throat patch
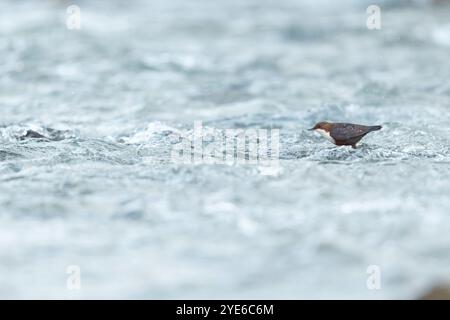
x=325 y=134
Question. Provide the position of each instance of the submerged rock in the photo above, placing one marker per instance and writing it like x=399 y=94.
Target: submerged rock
x=33 y=135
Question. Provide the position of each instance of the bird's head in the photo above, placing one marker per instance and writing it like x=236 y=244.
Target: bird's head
x=326 y=126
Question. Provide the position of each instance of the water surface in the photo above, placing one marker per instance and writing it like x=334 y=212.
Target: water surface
x=104 y=194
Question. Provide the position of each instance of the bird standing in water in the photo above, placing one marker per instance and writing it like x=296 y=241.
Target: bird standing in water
x=343 y=134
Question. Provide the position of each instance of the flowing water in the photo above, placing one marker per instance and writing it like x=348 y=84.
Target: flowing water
x=103 y=193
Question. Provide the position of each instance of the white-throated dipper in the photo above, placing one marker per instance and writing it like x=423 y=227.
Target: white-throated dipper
x=343 y=134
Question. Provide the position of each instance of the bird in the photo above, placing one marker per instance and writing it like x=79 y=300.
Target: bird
x=343 y=134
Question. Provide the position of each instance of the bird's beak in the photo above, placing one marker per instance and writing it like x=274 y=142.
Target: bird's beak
x=311 y=129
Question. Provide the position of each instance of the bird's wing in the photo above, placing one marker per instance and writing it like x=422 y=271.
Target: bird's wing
x=348 y=131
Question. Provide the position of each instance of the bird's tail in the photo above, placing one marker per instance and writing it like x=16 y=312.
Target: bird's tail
x=375 y=128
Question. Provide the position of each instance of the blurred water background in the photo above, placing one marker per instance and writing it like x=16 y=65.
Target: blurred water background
x=103 y=194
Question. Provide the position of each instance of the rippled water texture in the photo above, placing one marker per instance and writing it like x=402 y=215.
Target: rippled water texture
x=103 y=193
